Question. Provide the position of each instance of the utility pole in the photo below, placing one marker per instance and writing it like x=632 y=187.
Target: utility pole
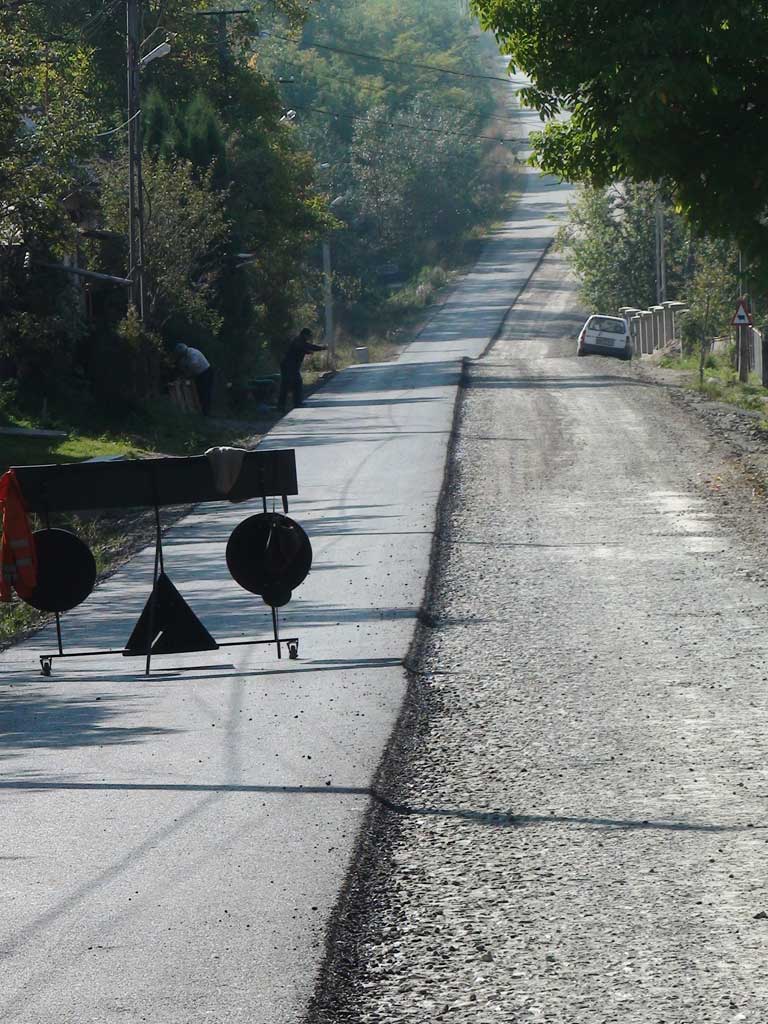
x=135 y=178
x=222 y=17
x=661 y=253
x=328 y=298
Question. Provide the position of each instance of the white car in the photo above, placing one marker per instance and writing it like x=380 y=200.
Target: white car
x=605 y=335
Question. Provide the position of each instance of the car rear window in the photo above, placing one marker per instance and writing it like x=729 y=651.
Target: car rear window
x=607 y=325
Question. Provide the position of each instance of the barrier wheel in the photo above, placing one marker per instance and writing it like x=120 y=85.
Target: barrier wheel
x=46 y=666
x=293 y=651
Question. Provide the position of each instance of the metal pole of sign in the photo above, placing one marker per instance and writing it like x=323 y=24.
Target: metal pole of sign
x=57 y=614
x=276 y=633
x=742 y=321
x=159 y=569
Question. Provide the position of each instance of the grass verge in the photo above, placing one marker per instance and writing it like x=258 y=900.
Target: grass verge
x=721 y=383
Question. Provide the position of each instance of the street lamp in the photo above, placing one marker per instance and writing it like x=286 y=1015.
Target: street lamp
x=159 y=51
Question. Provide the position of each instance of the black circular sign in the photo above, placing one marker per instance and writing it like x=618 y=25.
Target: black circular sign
x=270 y=555
x=276 y=595
x=66 y=571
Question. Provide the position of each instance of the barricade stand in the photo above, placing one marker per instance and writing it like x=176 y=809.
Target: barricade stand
x=167 y=624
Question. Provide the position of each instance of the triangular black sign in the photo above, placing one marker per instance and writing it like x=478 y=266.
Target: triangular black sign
x=175 y=629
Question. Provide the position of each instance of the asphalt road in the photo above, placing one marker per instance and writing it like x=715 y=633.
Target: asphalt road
x=172 y=848
x=585 y=783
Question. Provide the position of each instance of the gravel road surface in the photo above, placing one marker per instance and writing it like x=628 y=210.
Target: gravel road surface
x=572 y=825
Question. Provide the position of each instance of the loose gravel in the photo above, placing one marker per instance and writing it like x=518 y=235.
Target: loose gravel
x=571 y=824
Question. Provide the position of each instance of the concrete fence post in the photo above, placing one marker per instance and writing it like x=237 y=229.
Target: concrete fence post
x=646 y=331
x=670 y=308
x=630 y=314
x=634 y=332
x=640 y=333
x=658 y=326
x=675 y=309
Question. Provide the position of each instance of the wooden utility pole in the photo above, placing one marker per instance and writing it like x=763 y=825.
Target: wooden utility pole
x=661 y=255
x=135 y=178
x=222 y=17
x=330 y=339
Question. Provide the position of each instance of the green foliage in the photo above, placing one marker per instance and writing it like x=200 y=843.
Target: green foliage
x=46 y=123
x=611 y=244
x=125 y=364
x=711 y=292
x=235 y=206
x=203 y=136
x=220 y=176
x=395 y=142
x=41 y=324
x=663 y=89
x=162 y=137
x=414 y=199
x=186 y=236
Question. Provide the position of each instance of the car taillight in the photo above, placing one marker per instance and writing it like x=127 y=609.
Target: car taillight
x=581 y=336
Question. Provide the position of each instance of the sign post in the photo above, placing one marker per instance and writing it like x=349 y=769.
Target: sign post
x=742 y=321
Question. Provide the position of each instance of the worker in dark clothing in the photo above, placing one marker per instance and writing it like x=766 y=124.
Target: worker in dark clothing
x=290 y=368
x=196 y=368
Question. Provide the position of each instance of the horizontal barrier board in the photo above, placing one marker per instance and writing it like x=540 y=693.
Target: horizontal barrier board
x=148 y=482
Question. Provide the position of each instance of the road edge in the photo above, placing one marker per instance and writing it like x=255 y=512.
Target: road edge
x=340 y=966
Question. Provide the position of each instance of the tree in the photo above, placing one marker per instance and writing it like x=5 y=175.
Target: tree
x=710 y=293
x=59 y=64
x=186 y=235
x=417 y=190
x=654 y=89
x=396 y=139
x=611 y=243
x=47 y=124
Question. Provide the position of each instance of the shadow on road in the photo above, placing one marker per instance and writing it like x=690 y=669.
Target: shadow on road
x=37 y=720
x=493 y=819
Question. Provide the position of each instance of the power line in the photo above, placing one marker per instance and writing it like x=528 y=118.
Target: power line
x=111 y=131
x=393 y=60
x=374 y=88
x=405 y=125
x=96 y=21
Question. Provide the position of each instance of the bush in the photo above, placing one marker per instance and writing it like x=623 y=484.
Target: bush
x=125 y=364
